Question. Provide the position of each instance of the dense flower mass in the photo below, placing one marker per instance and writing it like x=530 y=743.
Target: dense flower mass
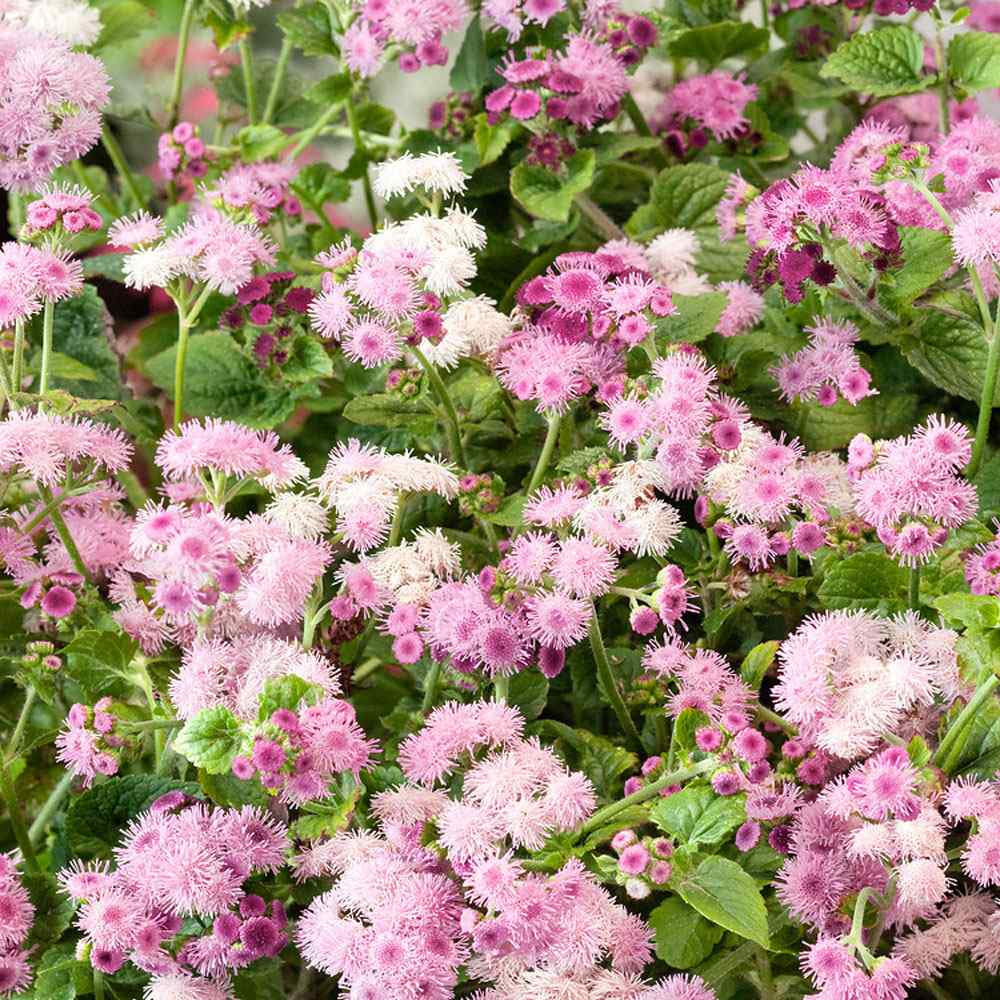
x=549 y=552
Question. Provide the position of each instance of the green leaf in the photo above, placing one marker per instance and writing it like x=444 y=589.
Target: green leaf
x=308 y=29
x=95 y=820
x=333 y=89
x=950 y=351
x=987 y=483
x=511 y=512
x=104 y=265
x=757 y=663
x=383 y=409
x=824 y=428
x=980 y=611
x=883 y=63
x=721 y=891
x=121 y=21
x=320 y=184
x=211 y=739
x=221 y=381
x=696 y=317
x=927 y=257
x=865 y=580
x=492 y=140
x=308 y=361
x=53 y=910
x=697 y=816
x=285 y=692
x=974 y=61
x=686 y=196
x=260 y=142
x=62 y=366
x=82 y=331
x=470 y=69
x=59 y=975
x=684 y=938
x=714 y=42
x=550 y=196
x=529 y=692
x=99 y=661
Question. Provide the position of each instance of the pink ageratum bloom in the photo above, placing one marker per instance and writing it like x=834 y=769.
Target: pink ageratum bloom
x=51 y=99
x=715 y=101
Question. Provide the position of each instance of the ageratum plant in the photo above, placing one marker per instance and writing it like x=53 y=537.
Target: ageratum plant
x=497 y=500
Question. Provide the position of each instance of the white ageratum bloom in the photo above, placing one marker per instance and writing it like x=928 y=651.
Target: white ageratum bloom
x=472 y=328
x=672 y=253
x=135 y=230
x=75 y=21
x=413 y=570
x=300 y=514
x=152 y=267
x=437 y=173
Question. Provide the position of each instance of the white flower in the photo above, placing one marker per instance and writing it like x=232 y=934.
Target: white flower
x=152 y=267
x=73 y=20
x=450 y=271
x=181 y=986
x=300 y=514
x=673 y=252
x=435 y=172
x=471 y=327
x=463 y=229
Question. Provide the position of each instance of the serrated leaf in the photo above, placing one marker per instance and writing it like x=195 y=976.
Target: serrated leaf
x=927 y=257
x=865 y=580
x=308 y=361
x=601 y=760
x=492 y=140
x=308 y=29
x=334 y=89
x=950 y=351
x=99 y=661
x=696 y=317
x=260 y=142
x=697 y=816
x=686 y=196
x=285 y=692
x=95 y=819
x=712 y=43
x=211 y=739
x=53 y=910
x=721 y=891
x=221 y=381
x=977 y=611
x=883 y=63
x=529 y=691
x=974 y=60
x=511 y=512
x=684 y=938
x=824 y=428
x=121 y=21
x=470 y=68
x=383 y=409
x=547 y=195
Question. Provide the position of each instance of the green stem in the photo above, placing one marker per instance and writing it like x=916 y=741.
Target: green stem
x=501 y=686
x=942 y=88
x=249 y=83
x=125 y=174
x=280 y=69
x=604 y=816
x=62 y=529
x=914 y=587
x=609 y=682
x=598 y=218
x=15 y=212
x=441 y=392
x=935 y=991
x=431 y=683
x=315 y=612
x=551 y=437
x=985 y=402
x=16 y=817
x=184 y=36
x=185 y=321
x=793 y=562
x=51 y=806
x=396 y=529
x=22 y=723
x=98 y=984
x=310 y=133
x=48 y=326
x=858 y=922
x=154 y=725
x=17 y=375
x=6 y=382
x=766 y=715
x=949 y=751
x=359 y=146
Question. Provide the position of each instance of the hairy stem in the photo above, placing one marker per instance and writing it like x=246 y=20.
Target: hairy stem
x=177 y=88
x=125 y=175
x=551 y=437
x=48 y=326
x=249 y=83
x=604 y=816
x=455 y=445
x=610 y=683
x=17 y=374
x=62 y=529
x=598 y=218
x=280 y=69
x=16 y=816
x=431 y=683
x=914 y=587
x=949 y=751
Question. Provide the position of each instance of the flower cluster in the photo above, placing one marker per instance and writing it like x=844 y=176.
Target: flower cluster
x=50 y=103
x=255 y=192
x=18 y=915
x=826 y=367
x=89 y=745
x=74 y=21
x=181 y=153
x=177 y=861
x=846 y=679
x=714 y=103
x=910 y=488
